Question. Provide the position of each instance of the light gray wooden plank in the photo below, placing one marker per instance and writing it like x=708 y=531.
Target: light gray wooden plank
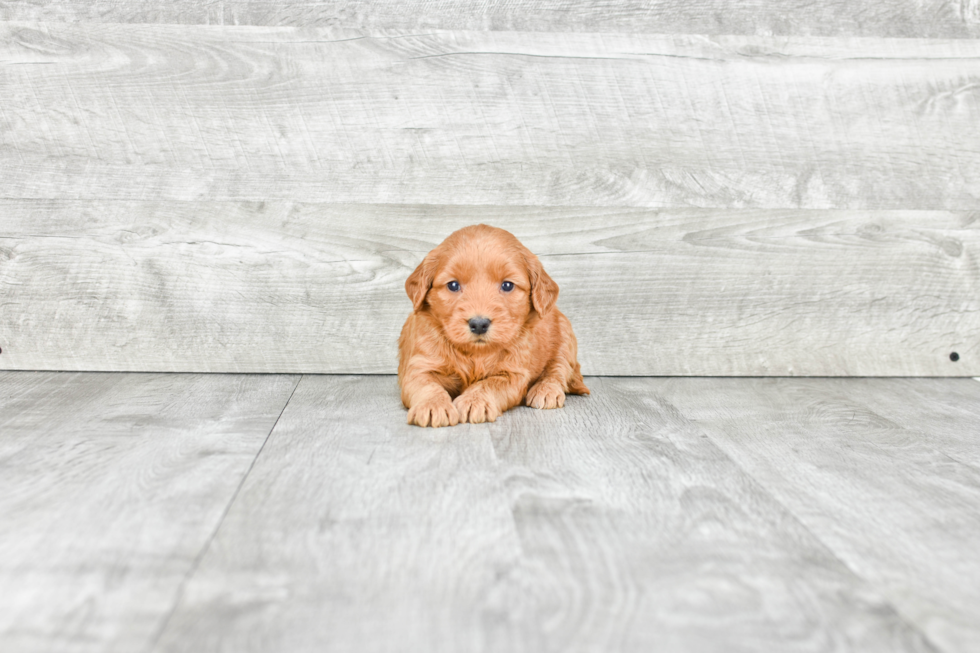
x=110 y=487
x=289 y=287
x=516 y=118
x=611 y=524
x=932 y=18
x=942 y=413
x=353 y=531
x=881 y=487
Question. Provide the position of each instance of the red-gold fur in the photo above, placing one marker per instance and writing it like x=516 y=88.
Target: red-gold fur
x=449 y=374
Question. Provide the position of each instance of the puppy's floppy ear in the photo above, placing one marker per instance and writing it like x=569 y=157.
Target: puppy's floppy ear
x=544 y=290
x=419 y=282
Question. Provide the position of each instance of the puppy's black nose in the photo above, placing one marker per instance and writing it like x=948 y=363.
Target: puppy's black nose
x=479 y=325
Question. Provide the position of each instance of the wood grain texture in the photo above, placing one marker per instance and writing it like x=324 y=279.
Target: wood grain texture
x=889 y=488
x=944 y=415
x=510 y=118
x=110 y=487
x=612 y=524
x=898 y=18
x=291 y=287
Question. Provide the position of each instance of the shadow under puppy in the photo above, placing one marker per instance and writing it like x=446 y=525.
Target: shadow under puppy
x=484 y=334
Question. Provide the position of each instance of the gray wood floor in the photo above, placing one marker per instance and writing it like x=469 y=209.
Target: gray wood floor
x=181 y=512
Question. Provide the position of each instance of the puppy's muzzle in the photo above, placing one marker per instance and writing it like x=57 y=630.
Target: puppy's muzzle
x=479 y=325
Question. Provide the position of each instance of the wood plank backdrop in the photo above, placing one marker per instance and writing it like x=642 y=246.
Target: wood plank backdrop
x=234 y=286
x=899 y=18
x=251 y=198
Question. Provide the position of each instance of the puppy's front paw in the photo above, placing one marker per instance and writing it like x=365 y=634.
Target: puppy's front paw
x=438 y=411
x=475 y=408
x=545 y=395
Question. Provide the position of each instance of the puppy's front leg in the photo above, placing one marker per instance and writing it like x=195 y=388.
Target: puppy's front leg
x=549 y=390
x=485 y=400
x=427 y=401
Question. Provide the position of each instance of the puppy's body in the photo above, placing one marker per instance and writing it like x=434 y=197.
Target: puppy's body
x=485 y=334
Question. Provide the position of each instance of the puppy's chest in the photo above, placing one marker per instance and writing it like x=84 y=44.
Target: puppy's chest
x=470 y=370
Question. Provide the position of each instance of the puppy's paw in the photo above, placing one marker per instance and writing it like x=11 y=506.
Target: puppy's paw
x=475 y=408
x=438 y=411
x=546 y=394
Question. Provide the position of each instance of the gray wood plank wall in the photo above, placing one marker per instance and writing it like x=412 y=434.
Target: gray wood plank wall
x=282 y=286
x=190 y=112
x=204 y=197
x=896 y=18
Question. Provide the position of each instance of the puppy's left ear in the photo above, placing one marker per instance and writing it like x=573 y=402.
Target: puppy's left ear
x=419 y=282
x=544 y=290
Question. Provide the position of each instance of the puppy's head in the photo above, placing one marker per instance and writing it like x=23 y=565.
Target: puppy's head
x=482 y=285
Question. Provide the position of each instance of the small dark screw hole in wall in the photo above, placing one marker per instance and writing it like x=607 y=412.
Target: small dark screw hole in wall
x=954 y=357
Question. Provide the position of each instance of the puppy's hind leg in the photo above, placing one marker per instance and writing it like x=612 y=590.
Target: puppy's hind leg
x=576 y=385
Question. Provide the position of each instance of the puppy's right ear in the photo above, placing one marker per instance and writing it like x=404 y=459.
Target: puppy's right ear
x=419 y=282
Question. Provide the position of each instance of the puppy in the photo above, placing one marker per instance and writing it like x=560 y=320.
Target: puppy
x=484 y=334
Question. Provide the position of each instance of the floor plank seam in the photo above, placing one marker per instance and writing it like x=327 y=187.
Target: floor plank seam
x=155 y=640
x=833 y=553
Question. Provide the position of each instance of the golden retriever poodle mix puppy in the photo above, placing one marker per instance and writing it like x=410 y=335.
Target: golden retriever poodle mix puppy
x=484 y=334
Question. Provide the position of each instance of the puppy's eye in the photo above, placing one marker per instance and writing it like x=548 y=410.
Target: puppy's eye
x=453 y=286
x=507 y=286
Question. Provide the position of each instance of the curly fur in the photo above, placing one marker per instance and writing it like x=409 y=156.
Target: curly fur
x=447 y=373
